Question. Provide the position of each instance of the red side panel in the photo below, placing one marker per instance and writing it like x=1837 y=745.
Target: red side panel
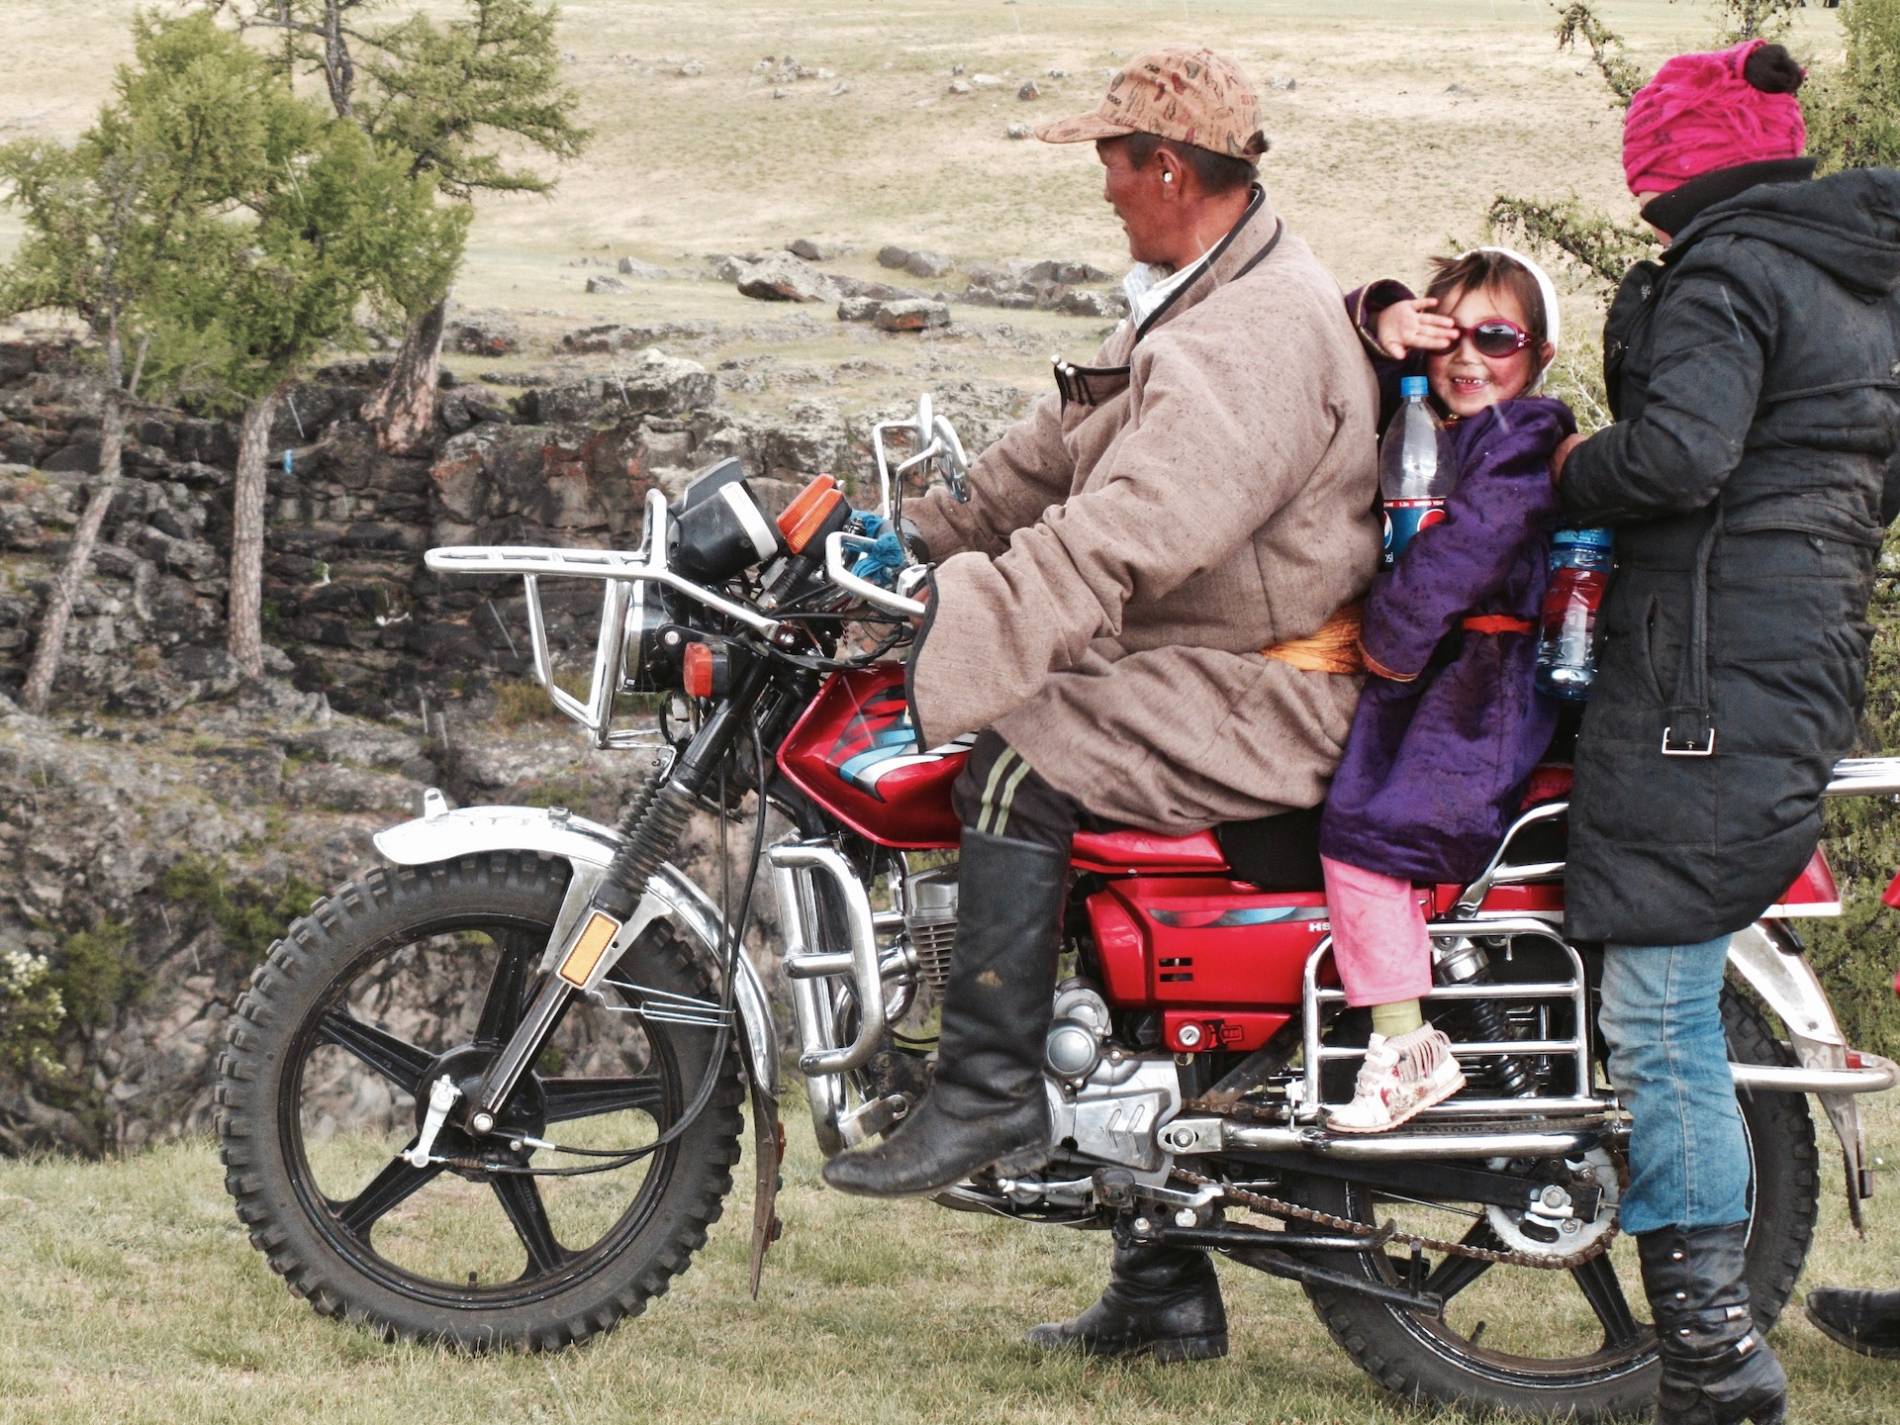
x=855 y=753
x=1204 y=943
x=1130 y=849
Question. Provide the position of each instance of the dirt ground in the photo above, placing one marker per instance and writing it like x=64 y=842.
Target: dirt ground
x=1393 y=125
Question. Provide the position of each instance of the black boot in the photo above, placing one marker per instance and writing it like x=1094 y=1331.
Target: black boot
x=1864 y=1321
x=1160 y=1301
x=986 y=1106
x=1717 y=1369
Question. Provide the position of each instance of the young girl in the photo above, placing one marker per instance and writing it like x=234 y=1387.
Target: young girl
x=1449 y=726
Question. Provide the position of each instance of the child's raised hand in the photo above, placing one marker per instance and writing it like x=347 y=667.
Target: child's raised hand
x=1413 y=326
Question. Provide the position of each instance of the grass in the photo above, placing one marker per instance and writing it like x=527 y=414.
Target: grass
x=131 y=1295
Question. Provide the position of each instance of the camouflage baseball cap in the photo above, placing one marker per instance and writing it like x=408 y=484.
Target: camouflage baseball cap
x=1192 y=96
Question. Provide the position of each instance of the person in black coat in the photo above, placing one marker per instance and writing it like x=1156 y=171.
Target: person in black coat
x=1754 y=373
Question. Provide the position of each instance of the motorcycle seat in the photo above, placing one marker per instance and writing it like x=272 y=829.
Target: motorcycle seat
x=1274 y=853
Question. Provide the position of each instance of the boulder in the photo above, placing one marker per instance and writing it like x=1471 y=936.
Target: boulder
x=813 y=250
x=891 y=255
x=692 y=69
x=985 y=81
x=653 y=384
x=1029 y=91
x=784 y=278
x=1081 y=302
x=484 y=337
x=923 y=263
x=620 y=336
x=1018 y=131
x=851 y=309
x=911 y=316
x=644 y=271
x=598 y=285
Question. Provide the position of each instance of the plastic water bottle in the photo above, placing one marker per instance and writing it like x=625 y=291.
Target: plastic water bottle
x=1567 y=635
x=1416 y=472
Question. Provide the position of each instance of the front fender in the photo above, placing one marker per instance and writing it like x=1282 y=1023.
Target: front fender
x=440 y=834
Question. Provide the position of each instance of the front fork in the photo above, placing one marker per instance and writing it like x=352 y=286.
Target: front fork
x=587 y=945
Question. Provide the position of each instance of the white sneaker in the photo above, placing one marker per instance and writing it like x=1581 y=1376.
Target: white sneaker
x=1400 y=1077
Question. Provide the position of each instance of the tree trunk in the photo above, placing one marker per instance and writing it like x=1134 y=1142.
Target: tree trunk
x=403 y=408
x=245 y=629
x=59 y=604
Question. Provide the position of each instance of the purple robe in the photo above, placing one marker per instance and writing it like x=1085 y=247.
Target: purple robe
x=1435 y=767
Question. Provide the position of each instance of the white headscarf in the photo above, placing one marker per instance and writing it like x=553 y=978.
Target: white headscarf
x=1547 y=290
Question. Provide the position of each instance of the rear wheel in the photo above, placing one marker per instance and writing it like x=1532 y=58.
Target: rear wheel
x=412 y=974
x=1562 y=1343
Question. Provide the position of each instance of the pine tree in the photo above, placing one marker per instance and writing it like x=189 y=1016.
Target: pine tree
x=105 y=219
x=450 y=97
x=301 y=220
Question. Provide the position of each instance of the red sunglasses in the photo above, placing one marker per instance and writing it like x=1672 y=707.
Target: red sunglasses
x=1493 y=337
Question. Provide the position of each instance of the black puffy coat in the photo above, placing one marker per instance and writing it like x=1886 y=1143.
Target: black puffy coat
x=1755 y=377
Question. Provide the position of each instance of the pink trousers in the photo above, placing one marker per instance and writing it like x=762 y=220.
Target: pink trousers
x=1379 y=940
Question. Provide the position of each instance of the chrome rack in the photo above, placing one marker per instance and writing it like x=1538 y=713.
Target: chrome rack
x=621 y=573
x=1575 y=990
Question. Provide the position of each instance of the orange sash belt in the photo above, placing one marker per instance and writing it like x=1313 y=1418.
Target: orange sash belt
x=1499 y=623
x=1333 y=649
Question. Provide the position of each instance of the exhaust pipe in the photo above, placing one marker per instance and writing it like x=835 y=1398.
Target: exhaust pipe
x=1389 y=1147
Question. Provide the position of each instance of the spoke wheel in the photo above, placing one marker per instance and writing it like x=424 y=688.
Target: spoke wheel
x=411 y=976
x=1569 y=1344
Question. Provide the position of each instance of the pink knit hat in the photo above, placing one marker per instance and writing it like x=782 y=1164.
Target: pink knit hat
x=1701 y=113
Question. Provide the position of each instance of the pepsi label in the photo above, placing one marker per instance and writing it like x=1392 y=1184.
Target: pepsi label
x=1404 y=519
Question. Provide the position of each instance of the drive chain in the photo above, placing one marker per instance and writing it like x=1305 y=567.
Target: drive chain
x=1279 y=1207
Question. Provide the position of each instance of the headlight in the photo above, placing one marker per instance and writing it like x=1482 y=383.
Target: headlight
x=649 y=664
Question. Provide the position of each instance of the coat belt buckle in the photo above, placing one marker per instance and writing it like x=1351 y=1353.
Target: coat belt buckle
x=1692 y=745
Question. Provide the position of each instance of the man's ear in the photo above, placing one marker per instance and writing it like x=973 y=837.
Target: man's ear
x=1170 y=172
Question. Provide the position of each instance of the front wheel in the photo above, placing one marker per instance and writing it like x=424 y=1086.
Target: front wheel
x=1572 y=1344
x=405 y=976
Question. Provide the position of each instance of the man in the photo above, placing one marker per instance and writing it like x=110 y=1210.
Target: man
x=1136 y=609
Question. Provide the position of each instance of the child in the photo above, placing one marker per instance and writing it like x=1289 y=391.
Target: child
x=1449 y=726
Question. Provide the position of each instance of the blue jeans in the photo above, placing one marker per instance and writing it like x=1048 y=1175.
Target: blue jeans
x=1662 y=1020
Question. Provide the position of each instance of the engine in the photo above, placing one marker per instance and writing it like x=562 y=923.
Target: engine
x=1107 y=1101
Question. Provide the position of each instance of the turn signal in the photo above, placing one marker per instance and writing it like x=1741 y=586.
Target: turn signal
x=697 y=665
x=809 y=512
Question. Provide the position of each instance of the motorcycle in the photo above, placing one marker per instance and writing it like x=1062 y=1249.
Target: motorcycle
x=492 y=1092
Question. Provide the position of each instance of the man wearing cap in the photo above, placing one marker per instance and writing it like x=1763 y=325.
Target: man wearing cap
x=1144 y=611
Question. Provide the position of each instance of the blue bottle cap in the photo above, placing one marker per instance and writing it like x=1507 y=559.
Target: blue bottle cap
x=1410 y=386
x=1587 y=538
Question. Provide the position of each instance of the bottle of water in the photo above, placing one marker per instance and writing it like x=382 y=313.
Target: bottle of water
x=1416 y=472
x=1567 y=635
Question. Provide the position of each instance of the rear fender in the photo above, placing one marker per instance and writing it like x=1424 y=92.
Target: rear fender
x=1768 y=957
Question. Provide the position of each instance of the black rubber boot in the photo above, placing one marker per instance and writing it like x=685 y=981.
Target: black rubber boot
x=1864 y=1321
x=1717 y=1369
x=1161 y=1301
x=986 y=1106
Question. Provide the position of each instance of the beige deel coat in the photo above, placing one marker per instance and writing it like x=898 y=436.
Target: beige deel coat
x=1119 y=566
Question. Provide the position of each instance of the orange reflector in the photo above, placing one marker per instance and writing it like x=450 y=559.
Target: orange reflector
x=594 y=939
x=697 y=665
x=808 y=512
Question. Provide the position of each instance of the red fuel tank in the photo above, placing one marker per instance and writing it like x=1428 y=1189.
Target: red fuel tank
x=855 y=753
